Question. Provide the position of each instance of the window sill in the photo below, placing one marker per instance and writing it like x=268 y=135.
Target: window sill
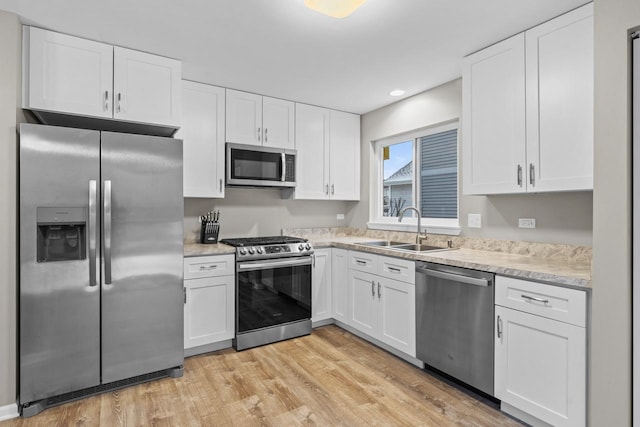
x=408 y=227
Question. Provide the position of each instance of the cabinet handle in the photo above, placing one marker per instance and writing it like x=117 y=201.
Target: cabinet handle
x=221 y=185
x=373 y=288
x=208 y=267
x=530 y=298
x=360 y=262
x=379 y=294
x=265 y=135
x=499 y=327
x=258 y=134
x=106 y=100
x=394 y=270
x=532 y=174
x=326 y=189
x=119 y=107
x=519 y=175
x=313 y=257
x=184 y=291
x=332 y=189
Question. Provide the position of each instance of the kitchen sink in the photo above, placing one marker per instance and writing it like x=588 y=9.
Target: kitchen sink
x=402 y=246
x=382 y=243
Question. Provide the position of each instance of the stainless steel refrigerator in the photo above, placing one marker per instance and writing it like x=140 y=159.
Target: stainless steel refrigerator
x=101 y=247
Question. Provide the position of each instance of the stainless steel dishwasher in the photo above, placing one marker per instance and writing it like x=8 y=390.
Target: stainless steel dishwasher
x=454 y=316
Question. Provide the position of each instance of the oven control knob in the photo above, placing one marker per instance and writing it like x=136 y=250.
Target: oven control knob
x=259 y=250
x=251 y=251
x=301 y=247
x=307 y=247
x=243 y=251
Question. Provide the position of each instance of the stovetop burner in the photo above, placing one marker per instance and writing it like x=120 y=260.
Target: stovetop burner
x=262 y=241
x=270 y=247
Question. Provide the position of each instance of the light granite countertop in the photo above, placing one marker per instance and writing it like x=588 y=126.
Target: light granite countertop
x=572 y=272
x=199 y=249
x=564 y=271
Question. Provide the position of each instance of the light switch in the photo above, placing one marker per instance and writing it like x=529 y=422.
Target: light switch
x=527 y=222
x=339 y=216
x=474 y=221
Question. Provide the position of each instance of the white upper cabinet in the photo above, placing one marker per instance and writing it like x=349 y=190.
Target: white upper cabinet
x=202 y=132
x=312 y=168
x=67 y=74
x=344 y=156
x=259 y=120
x=70 y=75
x=328 y=154
x=493 y=108
x=146 y=87
x=528 y=110
x=278 y=120
x=560 y=102
x=244 y=117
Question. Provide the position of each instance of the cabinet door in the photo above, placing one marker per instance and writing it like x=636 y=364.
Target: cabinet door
x=67 y=74
x=147 y=87
x=364 y=302
x=209 y=310
x=244 y=117
x=344 y=156
x=493 y=110
x=312 y=163
x=321 y=285
x=340 y=285
x=278 y=118
x=540 y=367
x=202 y=132
x=397 y=314
x=560 y=102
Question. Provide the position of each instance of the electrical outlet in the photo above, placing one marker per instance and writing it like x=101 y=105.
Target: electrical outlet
x=339 y=216
x=474 y=221
x=527 y=222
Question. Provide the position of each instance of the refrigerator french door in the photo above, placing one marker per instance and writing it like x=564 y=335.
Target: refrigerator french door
x=101 y=229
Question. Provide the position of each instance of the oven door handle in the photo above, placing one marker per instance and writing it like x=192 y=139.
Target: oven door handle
x=262 y=265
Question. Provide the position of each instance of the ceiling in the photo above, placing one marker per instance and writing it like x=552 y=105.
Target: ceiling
x=282 y=49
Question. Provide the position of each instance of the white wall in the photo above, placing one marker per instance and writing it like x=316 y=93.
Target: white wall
x=610 y=364
x=10 y=35
x=560 y=218
x=263 y=212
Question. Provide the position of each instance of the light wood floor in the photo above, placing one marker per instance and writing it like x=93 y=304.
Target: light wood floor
x=330 y=378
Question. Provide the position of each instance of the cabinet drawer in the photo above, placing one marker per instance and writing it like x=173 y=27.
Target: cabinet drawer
x=209 y=266
x=363 y=261
x=397 y=269
x=553 y=302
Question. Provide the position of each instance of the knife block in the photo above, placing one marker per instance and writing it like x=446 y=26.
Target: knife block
x=209 y=231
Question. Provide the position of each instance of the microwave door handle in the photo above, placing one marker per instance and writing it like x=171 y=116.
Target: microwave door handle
x=283 y=160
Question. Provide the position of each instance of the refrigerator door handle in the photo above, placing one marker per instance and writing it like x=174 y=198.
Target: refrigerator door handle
x=107 y=232
x=92 y=232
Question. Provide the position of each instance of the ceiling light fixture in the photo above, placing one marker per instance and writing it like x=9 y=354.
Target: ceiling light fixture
x=397 y=92
x=334 y=8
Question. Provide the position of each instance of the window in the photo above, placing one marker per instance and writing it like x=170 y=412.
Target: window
x=419 y=170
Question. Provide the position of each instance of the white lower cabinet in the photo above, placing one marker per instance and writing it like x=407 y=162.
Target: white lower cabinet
x=340 y=285
x=209 y=304
x=384 y=308
x=540 y=362
x=321 y=285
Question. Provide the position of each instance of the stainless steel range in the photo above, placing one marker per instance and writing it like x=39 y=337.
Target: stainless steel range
x=273 y=289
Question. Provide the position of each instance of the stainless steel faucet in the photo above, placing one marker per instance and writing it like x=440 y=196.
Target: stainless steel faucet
x=418 y=234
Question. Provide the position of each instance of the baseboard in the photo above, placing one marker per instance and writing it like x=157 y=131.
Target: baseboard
x=207 y=348
x=9 y=411
x=522 y=416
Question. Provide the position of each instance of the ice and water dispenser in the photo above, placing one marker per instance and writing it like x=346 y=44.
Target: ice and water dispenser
x=61 y=234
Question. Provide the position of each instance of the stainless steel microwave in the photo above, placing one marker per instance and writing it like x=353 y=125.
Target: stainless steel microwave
x=256 y=166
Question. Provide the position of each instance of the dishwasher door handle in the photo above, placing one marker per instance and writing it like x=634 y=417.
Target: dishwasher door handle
x=454 y=277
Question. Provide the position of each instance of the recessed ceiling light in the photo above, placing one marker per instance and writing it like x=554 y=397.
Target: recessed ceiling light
x=397 y=92
x=334 y=8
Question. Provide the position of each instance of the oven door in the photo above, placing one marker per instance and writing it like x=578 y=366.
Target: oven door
x=272 y=292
